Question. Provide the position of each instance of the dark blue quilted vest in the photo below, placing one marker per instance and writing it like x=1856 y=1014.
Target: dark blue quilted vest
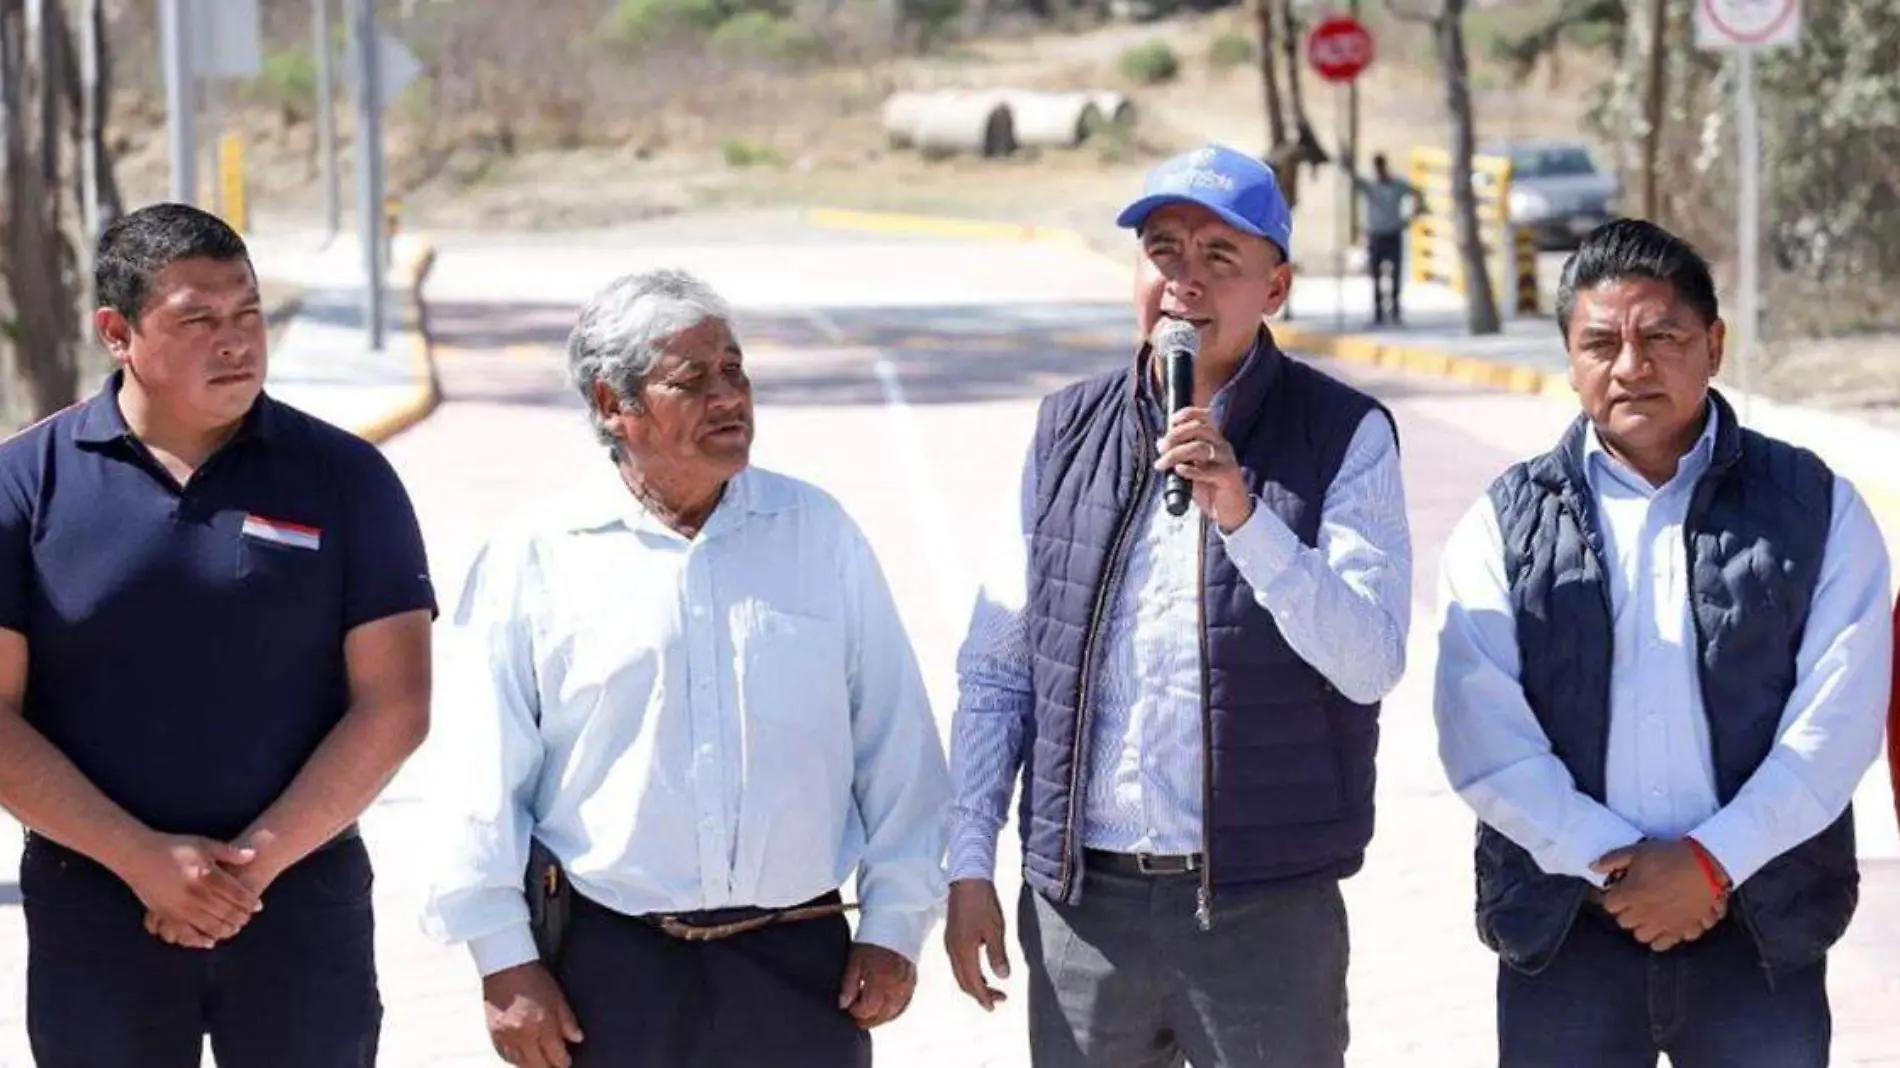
x=1289 y=774
x=1757 y=530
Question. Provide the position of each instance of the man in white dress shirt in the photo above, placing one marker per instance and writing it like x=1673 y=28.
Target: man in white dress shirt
x=1664 y=659
x=689 y=684
x=1190 y=697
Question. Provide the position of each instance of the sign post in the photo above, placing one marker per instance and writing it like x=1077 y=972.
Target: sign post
x=1743 y=26
x=1339 y=49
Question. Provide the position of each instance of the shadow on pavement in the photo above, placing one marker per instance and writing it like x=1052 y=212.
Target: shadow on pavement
x=9 y=894
x=484 y=325
x=947 y=354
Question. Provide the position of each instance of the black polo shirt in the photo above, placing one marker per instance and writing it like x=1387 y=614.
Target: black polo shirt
x=185 y=644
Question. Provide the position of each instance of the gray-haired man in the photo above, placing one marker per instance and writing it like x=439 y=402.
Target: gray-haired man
x=689 y=683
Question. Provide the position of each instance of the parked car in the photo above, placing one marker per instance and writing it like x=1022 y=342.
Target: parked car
x=1557 y=190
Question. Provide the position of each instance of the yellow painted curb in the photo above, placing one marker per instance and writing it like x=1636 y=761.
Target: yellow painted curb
x=427 y=392
x=888 y=222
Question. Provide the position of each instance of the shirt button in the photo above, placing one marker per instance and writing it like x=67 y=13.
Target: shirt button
x=1656 y=791
x=706 y=749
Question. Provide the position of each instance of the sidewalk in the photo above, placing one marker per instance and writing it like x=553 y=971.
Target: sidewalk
x=322 y=363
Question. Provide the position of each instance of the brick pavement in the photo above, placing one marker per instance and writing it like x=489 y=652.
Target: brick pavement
x=966 y=372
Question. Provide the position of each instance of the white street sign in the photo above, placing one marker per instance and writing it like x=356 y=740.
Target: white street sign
x=1727 y=24
x=396 y=67
x=229 y=40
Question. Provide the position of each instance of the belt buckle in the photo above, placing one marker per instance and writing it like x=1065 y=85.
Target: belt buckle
x=1144 y=863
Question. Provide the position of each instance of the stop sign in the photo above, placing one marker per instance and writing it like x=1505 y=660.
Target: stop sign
x=1339 y=48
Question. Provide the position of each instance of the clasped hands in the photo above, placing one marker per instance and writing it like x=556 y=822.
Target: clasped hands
x=1660 y=893
x=198 y=891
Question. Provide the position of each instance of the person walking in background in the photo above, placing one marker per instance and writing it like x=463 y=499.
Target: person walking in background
x=1387 y=216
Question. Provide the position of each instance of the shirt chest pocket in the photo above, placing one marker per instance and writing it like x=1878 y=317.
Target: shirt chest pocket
x=793 y=667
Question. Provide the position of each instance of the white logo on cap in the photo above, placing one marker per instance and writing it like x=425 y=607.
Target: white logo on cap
x=1202 y=157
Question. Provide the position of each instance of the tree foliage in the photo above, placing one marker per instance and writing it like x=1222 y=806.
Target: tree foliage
x=1830 y=126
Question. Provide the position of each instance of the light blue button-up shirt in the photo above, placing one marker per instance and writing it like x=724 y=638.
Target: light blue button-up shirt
x=732 y=720
x=1660 y=779
x=1344 y=605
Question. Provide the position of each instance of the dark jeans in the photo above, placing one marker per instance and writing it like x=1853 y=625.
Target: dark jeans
x=295 y=989
x=1608 y=1001
x=1127 y=979
x=1385 y=252
x=645 y=999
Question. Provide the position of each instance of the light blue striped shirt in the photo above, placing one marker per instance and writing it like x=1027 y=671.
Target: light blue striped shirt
x=1660 y=779
x=1343 y=605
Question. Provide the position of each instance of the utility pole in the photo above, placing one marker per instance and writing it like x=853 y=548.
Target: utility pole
x=369 y=164
x=326 y=117
x=91 y=106
x=1352 y=138
x=175 y=24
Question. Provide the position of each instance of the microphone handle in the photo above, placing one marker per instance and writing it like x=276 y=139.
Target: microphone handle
x=1179 y=492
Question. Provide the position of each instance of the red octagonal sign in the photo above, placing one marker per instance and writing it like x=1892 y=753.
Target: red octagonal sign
x=1339 y=48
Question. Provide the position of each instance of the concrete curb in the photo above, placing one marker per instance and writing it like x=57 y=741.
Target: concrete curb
x=428 y=389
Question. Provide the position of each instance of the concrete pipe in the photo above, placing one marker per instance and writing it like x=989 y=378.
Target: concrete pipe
x=1116 y=108
x=1054 y=120
x=901 y=111
x=966 y=122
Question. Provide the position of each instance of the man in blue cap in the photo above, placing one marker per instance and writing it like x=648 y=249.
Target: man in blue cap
x=1192 y=700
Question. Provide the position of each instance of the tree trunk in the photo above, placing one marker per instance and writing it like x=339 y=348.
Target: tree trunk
x=1269 y=80
x=35 y=268
x=1291 y=35
x=1481 y=307
x=1653 y=105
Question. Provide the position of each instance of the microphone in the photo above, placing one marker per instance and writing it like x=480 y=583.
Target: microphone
x=1178 y=344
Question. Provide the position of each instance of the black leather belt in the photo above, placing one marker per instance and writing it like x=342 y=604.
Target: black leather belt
x=714 y=924
x=1146 y=864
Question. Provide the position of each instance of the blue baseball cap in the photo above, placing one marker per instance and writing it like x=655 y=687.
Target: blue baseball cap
x=1233 y=185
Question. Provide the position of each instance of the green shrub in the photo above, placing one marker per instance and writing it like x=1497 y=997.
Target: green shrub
x=930 y=17
x=762 y=35
x=288 y=81
x=1230 y=50
x=746 y=154
x=1150 y=63
x=637 y=22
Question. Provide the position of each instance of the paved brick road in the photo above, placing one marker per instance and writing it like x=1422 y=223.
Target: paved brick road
x=903 y=377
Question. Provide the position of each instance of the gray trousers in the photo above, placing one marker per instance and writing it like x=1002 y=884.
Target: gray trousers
x=1127 y=979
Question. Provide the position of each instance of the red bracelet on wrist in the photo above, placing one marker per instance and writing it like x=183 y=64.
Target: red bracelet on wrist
x=1707 y=862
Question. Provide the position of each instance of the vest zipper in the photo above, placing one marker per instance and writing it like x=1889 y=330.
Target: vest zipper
x=1079 y=750
x=1593 y=542
x=1204 y=904
x=1738 y=901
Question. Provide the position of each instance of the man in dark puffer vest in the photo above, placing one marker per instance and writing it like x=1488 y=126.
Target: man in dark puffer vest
x=1664 y=660
x=1191 y=699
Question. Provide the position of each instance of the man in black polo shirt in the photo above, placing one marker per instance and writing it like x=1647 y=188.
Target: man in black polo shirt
x=214 y=653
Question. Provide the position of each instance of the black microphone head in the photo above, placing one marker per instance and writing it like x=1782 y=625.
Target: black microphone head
x=1175 y=335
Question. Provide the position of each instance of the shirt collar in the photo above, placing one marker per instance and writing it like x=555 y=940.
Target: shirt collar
x=1597 y=460
x=603 y=500
x=102 y=422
